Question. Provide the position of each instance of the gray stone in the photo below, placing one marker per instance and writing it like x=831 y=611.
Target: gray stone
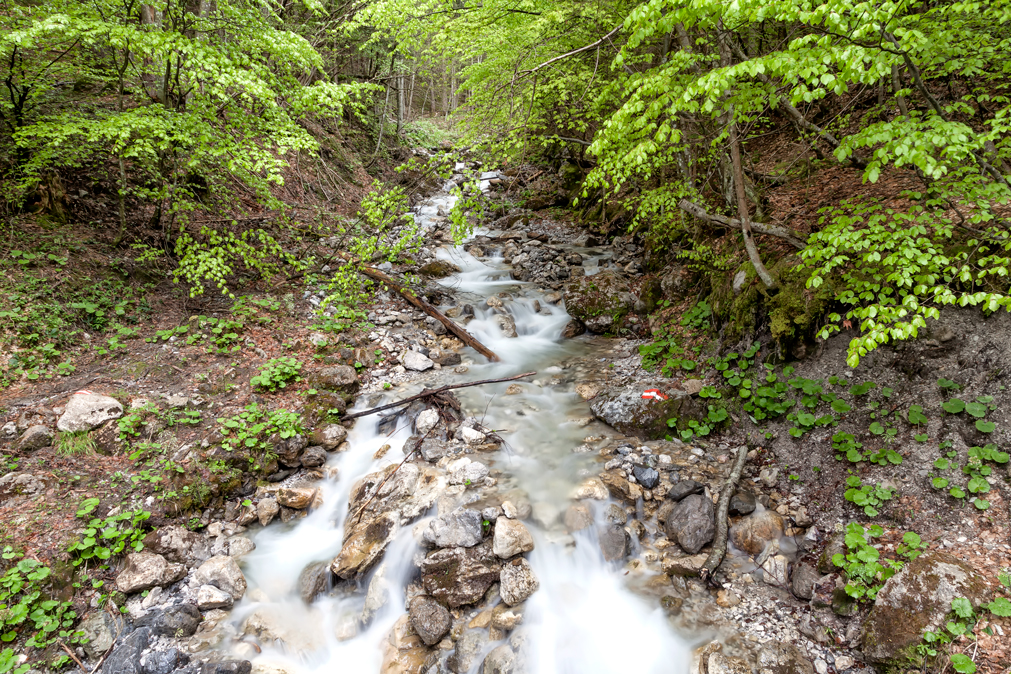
x=178 y=545
x=783 y=658
x=36 y=437
x=223 y=573
x=427 y=420
x=239 y=546
x=647 y=477
x=574 y=328
x=176 y=621
x=210 y=597
x=775 y=570
x=314 y=457
x=511 y=538
x=501 y=660
x=314 y=581
x=341 y=378
x=227 y=667
x=460 y=576
x=100 y=629
x=680 y=490
x=430 y=619
x=742 y=503
x=756 y=532
x=692 y=523
x=725 y=664
x=377 y=595
x=329 y=436
x=803 y=580
x=418 y=362
x=466 y=472
x=266 y=510
x=144 y=570
x=739 y=279
x=614 y=542
x=462 y=528
x=468 y=651
x=577 y=518
x=624 y=409
x=518 y=582
x=164 y=662
x=366 y=544
x=297 y=498
x=615 y=514
x=126 y=658
x=85 y=411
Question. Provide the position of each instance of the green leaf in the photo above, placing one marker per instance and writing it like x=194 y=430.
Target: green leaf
x=953 y=406
x=985 y=426
x=977 y=410
x=1000 y=607
x=962 y=607
x=962 y=664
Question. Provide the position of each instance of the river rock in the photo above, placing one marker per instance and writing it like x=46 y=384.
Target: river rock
x=753 y=533
x=785 y=658
x=268 y=625
x=178 y=545
x=416 y=361
x=427 y=420
x=506 y=324
x=775 y=570
x=718 y=663
x=614 y=542
x=742 y=503
x=223 y=573
x=577 y=518
x=36 y=437
x=466 y=472
x=518 y=582
x=625 y=410
x=126 y=658
x=210 y=597
x=430 y=619
x=507 y=617
x=100 y=629
x=298 y=498
x=592 y=488
x=679 y=490
x=692 y=523
x=460 y=576
x=313 y=581
x=615 y=514
x=329 y=436
x=803 y=580
x=620 y=488
x=682 y=565
x=314 y=457
x=180 y=620
x=462 y=528
x=916 y=599
x=364 y=547
x=340 y=378
x=511 y=538
x=225 y=667
x=377 y=595
x=164 y=662
x=501 y=660
x=646 y=476
x=574 y=328
x=266 y=510
x=467 y=653
x=85 y=411
x=472 y=436
x=145 y=570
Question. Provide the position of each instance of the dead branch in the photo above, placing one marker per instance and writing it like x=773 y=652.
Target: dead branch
x=700 y=212
x=573 y=52
x=450 y=324
x=74 y=657
x=437 y=391
x=719 y=550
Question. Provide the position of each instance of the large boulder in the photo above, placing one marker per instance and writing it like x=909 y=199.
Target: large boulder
x=599 y=301
x=126 y=658
x=145 y=570
x=692 y=523
x=86 y=410
x=915 y=600
x=176 y=621
x=460 y=576
x=624 y=409
x=178 y=545
x=329 y=436
x=100 y=629
x=365 y=546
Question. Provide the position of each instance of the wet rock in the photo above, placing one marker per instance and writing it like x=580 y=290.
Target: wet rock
x=404 y=652
x=210 y=597
x=506 y=324
x=85 y=411
x=460 y=576
x=430 y=619
x=178 y=545
x=501 y=660
x=577 y=518
x=679 y=490
x=592 y=488
x=226 y=667
x=692 y=523
x=600 y=324
x=36 y=437
x=916 y=599
x=340 y=378
x=314 y=457
x=466 y=472
x=472 y=436
x=377 y=595
x=645 y=476
x=462 y=528
x=438 y=269
x=755 y=532
x=364 y=547
x=239 y=546
x=518 y=582
x=682 y=565
x=100 y=629
x=718 y=663
x=418 y=362
x=176 y=621
x=573 y=328
x=433 y=449
x=615 y=514
x=126 y=658
x=313 y=581
x=775 y=570
x=297 y=498
x=803 y=580
x=427 y=420
x=742 y=503
x=164 y=662
x=404 y=493
x=467 y=652
x=145 y=570
x=223 y=573
x=511 y=538
x=727 y=598
x=620 y=488
x=614 y=542
x=507 y=617
x=329 y=437
x=624 y=409
x=268 y=625
x=784 y=658
x=266 y=510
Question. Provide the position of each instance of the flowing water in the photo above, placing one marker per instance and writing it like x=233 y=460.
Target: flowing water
x=584 y=618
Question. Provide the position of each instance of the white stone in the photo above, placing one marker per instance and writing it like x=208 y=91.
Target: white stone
x=86 y=410
x=843 y=662
x=419 y=362
x=511 y=538
x=223 y=573
x=210 y=597
x=518 y=582
x=466 y=472
x=426 y=421
x=472 y=437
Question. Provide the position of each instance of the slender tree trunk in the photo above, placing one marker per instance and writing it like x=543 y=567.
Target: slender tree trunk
x=895 y=90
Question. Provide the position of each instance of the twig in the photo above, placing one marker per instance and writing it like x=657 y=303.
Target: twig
x=719 y=550
x=432 y=392
x=75 y=658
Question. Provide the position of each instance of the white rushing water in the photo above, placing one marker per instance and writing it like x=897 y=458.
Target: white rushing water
x=583 y=619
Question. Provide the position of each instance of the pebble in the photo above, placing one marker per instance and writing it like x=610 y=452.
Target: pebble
x=820 y=666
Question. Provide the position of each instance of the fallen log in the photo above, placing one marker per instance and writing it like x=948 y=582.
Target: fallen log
x=719 y=550
x=434 y=391
x=700 y=212
x=450 y=324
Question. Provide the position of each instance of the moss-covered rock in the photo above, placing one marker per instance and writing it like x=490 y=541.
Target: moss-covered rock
x=438 y=269
x=600 y=301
